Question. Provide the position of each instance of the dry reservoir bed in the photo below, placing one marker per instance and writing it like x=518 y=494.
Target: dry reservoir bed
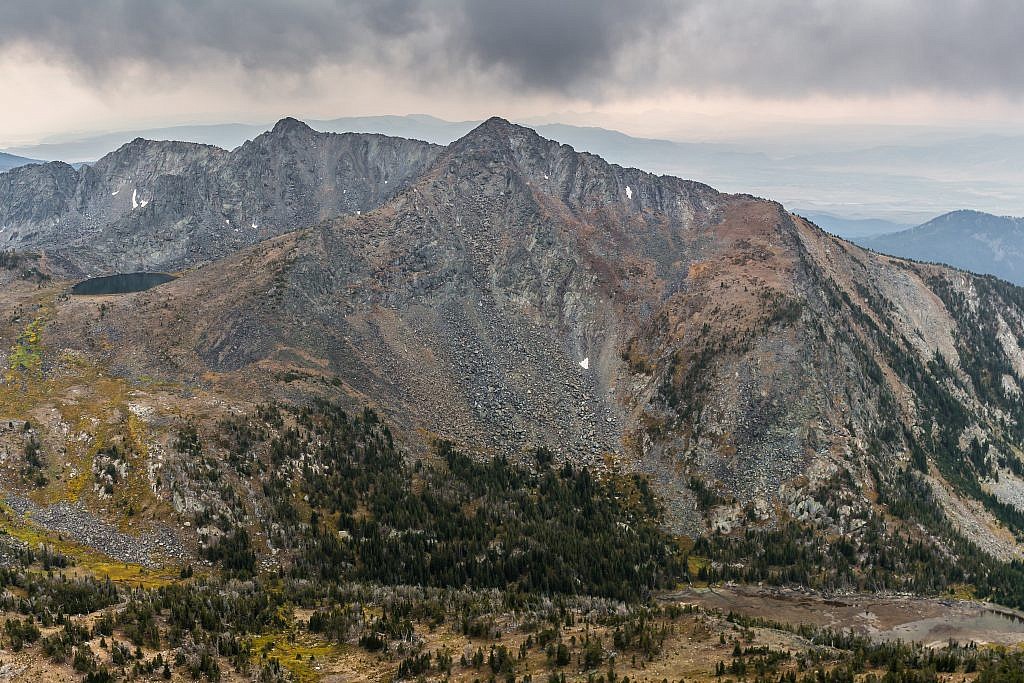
x=931 y=621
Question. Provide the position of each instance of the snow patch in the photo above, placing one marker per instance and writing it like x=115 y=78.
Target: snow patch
x=585 y=363
x=114 y=193
x=254 y=226
x=136 y=202
x=545 y=176
x=629 y=192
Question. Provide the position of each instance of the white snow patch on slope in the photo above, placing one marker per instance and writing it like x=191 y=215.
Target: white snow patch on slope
x=629 y=192
x=135 y=201
x=585 y=363
x=114 y=193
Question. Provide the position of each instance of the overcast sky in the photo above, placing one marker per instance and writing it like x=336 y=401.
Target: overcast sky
x=675 y=68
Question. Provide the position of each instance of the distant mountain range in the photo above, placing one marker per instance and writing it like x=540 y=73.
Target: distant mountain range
x=972 y=240
x=231 y=135
x=9 y=161
x=899 y=184
x=853 y=228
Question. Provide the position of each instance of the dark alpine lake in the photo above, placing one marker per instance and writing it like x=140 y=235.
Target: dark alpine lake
x=122 y=283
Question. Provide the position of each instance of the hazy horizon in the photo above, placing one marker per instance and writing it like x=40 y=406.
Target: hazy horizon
x=917 y=176
x=784 y=79
x=657 y=68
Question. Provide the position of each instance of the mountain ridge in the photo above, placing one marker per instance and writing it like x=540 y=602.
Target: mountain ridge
x=9 y=161
x=972 y=240
x=169 y=205
x=514 y=295
x=897 y=183
x=724 y=337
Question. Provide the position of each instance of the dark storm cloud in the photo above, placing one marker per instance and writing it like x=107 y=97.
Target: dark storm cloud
x=557 y=44
x=101 y=35
x=590 y=48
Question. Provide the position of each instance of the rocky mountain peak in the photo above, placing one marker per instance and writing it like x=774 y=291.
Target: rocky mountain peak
x=291 y=126
x=494 y=126
x=503 y=159
x=150 y=158
x=497 y=139
x=159 y=205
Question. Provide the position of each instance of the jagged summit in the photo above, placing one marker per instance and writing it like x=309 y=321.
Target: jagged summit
x=290 y=125
x=160 y=205
x=142 y=160
x=497 y=121
x=495 y=136
x=144 y=145
x=526 y=163
x=496 y=125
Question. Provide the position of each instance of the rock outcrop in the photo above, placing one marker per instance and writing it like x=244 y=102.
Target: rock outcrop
x=171 y=205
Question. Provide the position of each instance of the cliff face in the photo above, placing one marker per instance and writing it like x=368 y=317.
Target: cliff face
x=171 y=205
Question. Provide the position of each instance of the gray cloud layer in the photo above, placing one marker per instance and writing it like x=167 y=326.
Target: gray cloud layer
x=591 y=49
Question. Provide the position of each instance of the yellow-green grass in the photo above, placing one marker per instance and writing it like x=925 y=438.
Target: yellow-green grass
x=26 y=355
x=294 y=653
x=963 y=591
x=89 y=401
